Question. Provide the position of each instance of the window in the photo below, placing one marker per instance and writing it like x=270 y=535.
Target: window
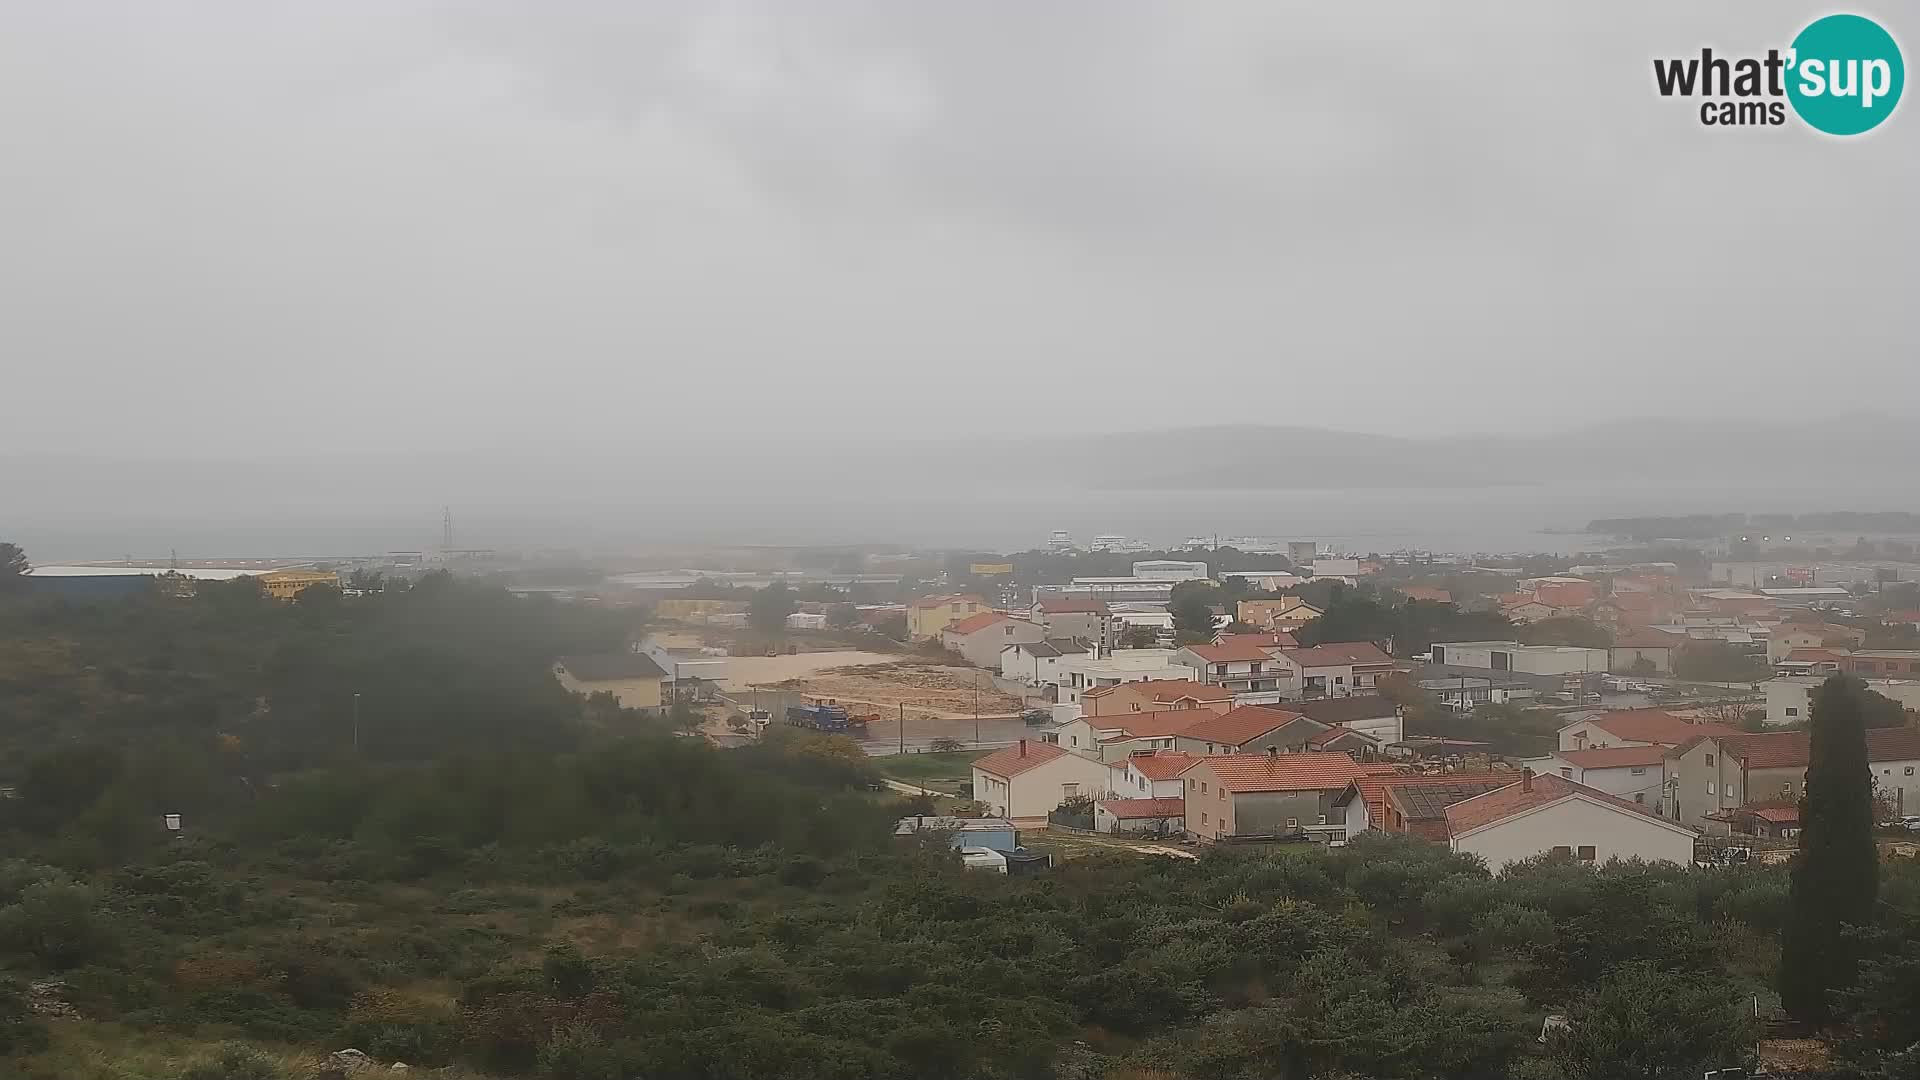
x=1586 y=853
x=1709 y=761
x=1293 y=823
x=1709 y=787
x=1909 y=770
x=1566 y=772
x=1069 y=790
x=1339 y=680
x=1323 y=819
x=1562 y=849
x=1640 y=796
x=1637 y=770
x=1203 y=817
x=1191 y=782
x=1203 y=787
x=1791 y=711
x=1223 y=794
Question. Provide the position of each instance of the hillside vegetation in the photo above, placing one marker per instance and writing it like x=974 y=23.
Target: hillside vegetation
x=518 y=883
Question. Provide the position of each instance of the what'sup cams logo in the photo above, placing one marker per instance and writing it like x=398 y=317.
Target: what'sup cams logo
x=1842 y=75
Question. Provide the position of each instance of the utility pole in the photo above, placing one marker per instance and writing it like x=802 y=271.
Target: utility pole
x=903 y=727
x=976 y=710
x=356 y=722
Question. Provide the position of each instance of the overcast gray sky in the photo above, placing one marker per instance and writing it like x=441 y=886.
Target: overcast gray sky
x=281 y=228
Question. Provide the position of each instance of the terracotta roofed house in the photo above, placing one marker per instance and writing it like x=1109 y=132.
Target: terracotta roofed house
x=1636 y=727
x=1155 y=695
x=1412 y=802
x=1334 y=668
x=1265 y=794
x=1239 y=666
x=1029 y=779
x=1714 y=774
x=980 y=638
x=1242 y=728
x=1375 y=715
x=1157 y=817
x=1538 y=815
x=929 y=615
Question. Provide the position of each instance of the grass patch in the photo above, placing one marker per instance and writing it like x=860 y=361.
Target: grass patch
x=924 y=769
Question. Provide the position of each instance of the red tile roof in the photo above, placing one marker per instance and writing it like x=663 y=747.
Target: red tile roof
x=1158 y=764
x=1010 y=761
x=1373 y=786
x=1791 y=749
x=1655 y=726
x=1145 y=725
x=1165 y=690
x=976 y=623
x=1229 y=652
x=1519 y=797
x=1134 y=809
x=1237 y=726
x=1614 y=757
x=1779 y=815
x=1813 y=656
x=1245 y=773
x=1322 y=738
x=1338 y=654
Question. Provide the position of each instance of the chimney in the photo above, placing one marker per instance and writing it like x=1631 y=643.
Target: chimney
x=1273 y=753
x=1526 y=779
x=1023 y=748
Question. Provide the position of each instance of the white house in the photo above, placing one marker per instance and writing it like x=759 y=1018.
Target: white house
x=1536 y=815
x=1149 y=774
x=1153 y=817
x=980 y=637
x=1027 y=780
x=1635 y=727
x=1087 y=672
x=1790 y=697
x=1037 y=663
x=1637 y=774
x=1240 y=666
x=1332 y=669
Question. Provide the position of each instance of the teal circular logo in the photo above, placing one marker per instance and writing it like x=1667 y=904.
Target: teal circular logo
x=1845 y=74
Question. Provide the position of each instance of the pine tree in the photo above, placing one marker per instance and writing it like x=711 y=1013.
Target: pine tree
x=1837 y=871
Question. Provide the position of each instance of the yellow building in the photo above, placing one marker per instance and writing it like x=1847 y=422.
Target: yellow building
x=678 y=608
x=287 y=584
x=929 y=615
x=632 y=678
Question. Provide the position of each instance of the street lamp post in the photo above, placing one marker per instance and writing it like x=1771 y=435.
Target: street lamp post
x=356 y=722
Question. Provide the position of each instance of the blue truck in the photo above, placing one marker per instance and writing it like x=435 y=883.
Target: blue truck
x=823 y=717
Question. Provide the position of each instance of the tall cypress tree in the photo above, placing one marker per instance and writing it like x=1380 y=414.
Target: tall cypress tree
x=1837 y=871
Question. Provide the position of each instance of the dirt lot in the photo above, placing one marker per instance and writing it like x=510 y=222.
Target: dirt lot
x=744 y=672
x=927 y=690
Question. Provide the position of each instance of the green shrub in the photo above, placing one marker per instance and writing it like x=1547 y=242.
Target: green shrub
x=234 y=1061
x=20 y=1030
x=59 y=925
